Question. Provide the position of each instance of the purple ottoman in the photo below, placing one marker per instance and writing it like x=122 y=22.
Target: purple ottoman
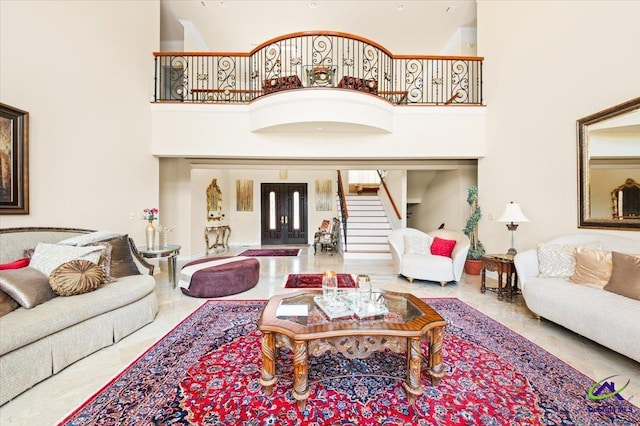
x=219 y=276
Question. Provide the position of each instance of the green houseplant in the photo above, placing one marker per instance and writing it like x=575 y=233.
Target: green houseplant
x=473 y=265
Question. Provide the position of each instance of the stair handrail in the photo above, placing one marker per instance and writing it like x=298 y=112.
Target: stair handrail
x=384 y=186
x=343 y=208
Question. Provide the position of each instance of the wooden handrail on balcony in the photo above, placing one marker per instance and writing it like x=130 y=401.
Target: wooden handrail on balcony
x=362 y=64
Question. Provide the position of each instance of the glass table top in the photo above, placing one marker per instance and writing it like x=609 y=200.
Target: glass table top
x=349 y=306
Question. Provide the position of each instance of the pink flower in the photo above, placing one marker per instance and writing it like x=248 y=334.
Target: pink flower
x=151 y=214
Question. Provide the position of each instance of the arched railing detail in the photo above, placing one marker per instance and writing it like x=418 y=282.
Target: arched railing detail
x=319 y=59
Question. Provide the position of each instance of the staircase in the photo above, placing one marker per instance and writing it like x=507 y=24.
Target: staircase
x=367 y=228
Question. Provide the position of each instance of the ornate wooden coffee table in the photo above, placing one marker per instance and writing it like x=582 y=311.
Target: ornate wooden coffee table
x=295 y=320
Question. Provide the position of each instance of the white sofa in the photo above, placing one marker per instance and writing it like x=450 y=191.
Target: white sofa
x=38 y=342
x=424 y=265
x=600 y=315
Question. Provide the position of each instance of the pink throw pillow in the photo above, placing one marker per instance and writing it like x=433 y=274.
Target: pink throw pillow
x=442 y=247
x=16 y=264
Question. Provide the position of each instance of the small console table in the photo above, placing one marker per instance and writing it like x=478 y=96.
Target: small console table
x=171 y=252
x=221 y=232
x=502 y=264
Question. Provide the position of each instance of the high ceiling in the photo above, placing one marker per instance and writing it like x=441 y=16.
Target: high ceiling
x=403 y=27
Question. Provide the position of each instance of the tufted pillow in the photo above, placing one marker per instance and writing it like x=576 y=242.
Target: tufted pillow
x=559 y=260
x=48 y=257
x=442 y=247
x=625 y=275
x=27 y=286
x=75 y=277
x=7 y=304
x=593 y=267
x=417 y=244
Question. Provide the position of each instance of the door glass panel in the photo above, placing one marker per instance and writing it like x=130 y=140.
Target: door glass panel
x=272 y=210
x=296 y=210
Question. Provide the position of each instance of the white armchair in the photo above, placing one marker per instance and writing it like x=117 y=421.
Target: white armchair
x=412 y=258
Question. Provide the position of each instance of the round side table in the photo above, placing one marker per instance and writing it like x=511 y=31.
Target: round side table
x=171 y=252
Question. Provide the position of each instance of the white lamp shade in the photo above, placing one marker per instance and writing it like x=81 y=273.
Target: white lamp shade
x=512 y=213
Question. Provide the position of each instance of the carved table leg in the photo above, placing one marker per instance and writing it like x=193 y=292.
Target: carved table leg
x=436 y=369
x=509 y=288
x=268 y=370
x=300 y=371
x=413 y=385
x=500 y=292
x=483 y=279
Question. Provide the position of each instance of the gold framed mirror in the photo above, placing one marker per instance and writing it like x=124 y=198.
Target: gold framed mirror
x=214 y=201
x=608 y=157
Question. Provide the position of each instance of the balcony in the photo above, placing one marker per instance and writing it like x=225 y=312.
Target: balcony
x=318 y=60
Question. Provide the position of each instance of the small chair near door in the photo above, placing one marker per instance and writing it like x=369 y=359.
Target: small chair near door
x=327 y=236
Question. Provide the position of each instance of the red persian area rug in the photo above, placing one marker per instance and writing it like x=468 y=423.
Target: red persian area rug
x=207 y=369
x=315 y=281
x=270 y=252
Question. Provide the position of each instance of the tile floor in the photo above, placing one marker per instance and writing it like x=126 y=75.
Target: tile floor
x=49 y=401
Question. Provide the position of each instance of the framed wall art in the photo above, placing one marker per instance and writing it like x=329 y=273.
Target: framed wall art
x=323 y=195
x=14 y=160
x=244 y=195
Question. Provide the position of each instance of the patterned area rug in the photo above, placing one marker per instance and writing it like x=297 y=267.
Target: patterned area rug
x=270 y=252
x=315 y=281
x=206 y=371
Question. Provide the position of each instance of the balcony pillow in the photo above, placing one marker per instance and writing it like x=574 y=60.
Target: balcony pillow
x=417 y=244
x=593 y=267
x=86 y=239
x=16 y=264
x=625 y=275
x=48 y=257
x=27 y=286
x=442 y=247
x=122 y=263
x=76 y=277
x=7 y=304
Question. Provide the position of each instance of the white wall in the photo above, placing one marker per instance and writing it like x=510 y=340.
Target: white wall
x=83 y=71
x=547 y=64
x=443 y=200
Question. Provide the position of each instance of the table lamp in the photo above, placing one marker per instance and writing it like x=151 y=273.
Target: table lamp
x=512 y=213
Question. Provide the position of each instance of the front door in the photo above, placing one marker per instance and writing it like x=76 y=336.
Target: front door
x=284 y=213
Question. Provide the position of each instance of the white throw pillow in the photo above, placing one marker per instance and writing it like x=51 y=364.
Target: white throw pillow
x=559 y=260
x=417 y=244
x=48 y=257
x=92 y=237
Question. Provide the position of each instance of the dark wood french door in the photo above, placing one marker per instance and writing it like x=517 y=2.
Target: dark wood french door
x=284 y=213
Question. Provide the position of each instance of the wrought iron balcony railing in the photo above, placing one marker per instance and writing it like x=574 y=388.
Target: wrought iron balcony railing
x=317 y=60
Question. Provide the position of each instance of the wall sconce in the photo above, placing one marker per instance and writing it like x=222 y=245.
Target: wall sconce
x=512 y=213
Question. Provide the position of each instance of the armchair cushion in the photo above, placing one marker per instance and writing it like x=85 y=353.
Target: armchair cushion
x=417 y=244
x=442 y=247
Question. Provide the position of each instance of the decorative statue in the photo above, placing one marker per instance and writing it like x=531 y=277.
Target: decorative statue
x=214 y=201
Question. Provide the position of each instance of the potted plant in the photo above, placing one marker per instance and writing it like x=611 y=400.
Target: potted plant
x=473 y=264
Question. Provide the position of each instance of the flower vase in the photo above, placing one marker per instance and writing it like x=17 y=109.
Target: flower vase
x=151 y=235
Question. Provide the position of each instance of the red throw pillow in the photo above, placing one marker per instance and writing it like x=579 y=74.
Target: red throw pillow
x=16 y=264
x=442 y=247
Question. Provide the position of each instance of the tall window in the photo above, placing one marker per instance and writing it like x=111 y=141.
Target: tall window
x=364 y=176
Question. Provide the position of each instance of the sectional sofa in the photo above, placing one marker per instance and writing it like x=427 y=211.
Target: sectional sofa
x=41 y=340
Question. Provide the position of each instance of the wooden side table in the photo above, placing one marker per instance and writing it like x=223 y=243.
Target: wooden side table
x=221 y=232
x=502 y=264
